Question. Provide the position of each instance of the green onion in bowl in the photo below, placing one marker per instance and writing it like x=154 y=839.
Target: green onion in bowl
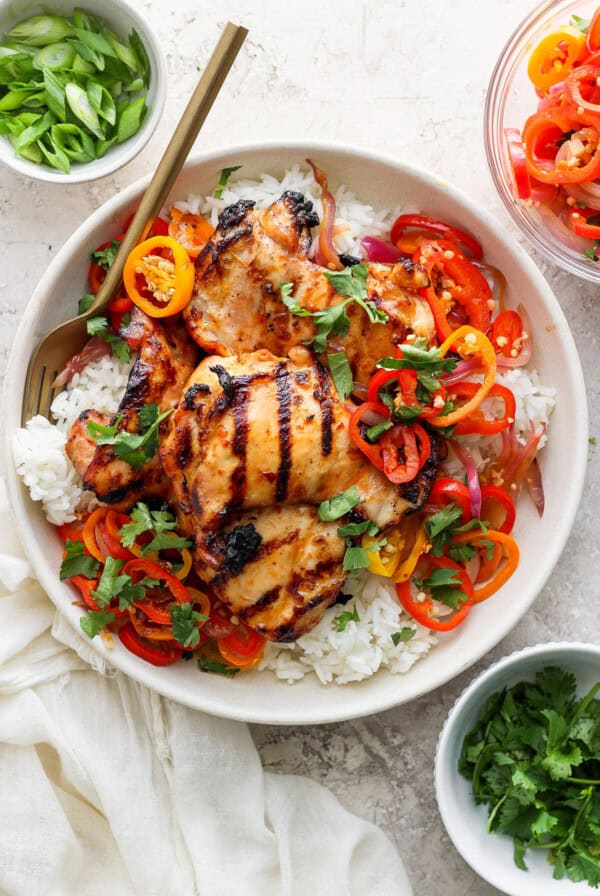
x=70 y=88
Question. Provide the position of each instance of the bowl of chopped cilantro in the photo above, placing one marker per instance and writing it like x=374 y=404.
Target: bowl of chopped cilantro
x=80 y=92
x=518 y=771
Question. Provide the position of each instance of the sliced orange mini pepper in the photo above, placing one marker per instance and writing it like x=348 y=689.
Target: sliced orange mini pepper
x=469 y=343
x=510 y=550
x=191 y=231
x=158 y=284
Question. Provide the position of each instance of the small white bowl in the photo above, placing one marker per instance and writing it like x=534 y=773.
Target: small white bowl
x=491 y=855
x=122 y=17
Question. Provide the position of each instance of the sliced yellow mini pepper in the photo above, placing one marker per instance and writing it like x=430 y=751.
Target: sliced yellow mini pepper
x=158 y=284
x=406 y=569
x=469 y=343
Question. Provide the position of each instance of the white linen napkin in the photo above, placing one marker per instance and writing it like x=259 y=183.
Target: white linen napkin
x=107 y=788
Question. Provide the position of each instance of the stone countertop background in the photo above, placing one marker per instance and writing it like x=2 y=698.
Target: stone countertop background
x=408 y=78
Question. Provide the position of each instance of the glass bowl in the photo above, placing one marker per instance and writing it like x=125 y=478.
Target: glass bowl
x=511 y=98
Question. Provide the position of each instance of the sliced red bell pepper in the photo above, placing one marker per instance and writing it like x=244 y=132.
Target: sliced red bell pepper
x=163 y=656
x=372 y=451
x=500 y=500
x=437 y=229
x=400 y=453
x=423 y=610
x=476 y=422
x=450 y=491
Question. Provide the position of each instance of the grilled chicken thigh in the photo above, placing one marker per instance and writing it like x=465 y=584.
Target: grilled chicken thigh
x=237 y=306
x=166 y=358
x=256 y=444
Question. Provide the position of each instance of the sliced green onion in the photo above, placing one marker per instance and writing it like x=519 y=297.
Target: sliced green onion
x=130 y=119
x=55 y=56
x=82 y=109
x=41 y=30
x=70 y=88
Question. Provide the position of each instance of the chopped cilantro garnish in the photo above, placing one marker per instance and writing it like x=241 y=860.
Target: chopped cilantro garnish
x=95 y=620
x=78 y=563
x=352 y=283
x=98 y=326
x=590 y=252
x=533 y=757
x=224 y=179
x=442 y=585
x=339 y=505
x=341 y=374
x=356 y=557
x=185 y=628
x=208 y=665
x=405 y=634
x=344 y=618
x=136 y=449
x=85 y=302
x=443 y=526
x=374 y=432
x=105 y=257
x=358 y=529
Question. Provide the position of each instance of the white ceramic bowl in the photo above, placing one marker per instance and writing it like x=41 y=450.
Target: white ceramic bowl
x=259 y=697
x=491 y=855
x=122 y=16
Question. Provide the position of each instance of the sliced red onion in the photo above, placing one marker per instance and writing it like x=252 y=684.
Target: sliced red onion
x=326 y=254
x=495 y=278
x=372 y=418
x=533 y=480
x=94 y=349
x=462 y=370
x=588 y=194
x=379 y=251
x=472 y=477
x=560 y=231
x=524 y=355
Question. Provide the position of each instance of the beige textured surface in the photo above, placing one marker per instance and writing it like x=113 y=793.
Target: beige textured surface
x=409 y=78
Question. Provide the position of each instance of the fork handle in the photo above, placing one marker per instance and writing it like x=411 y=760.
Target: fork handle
x=173 y=158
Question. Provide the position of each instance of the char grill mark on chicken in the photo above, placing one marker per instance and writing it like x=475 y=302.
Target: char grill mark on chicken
x=256 y=444
x=237 y=308
x=165 y=361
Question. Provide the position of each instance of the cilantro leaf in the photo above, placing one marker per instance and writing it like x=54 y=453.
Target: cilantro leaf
x=110 y=582
x=358 y=529
x=405 y=634
x=532 y=758
x=356 y=557
x=105 y=257
x=591 y=251
x=339 y=505
x=164 y=541
x=95 y=620
x=350 y=282
x=442 y=585
x=77 y=562
x=136 y=449
x=85 y=302
x=344 y=618
x=98 y=326
x=341 y=374
x=185 y=629
x=428 y=362
x=224 y=179
x=207 y=665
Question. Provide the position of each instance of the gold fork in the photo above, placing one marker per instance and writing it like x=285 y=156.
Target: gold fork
x=60 y=344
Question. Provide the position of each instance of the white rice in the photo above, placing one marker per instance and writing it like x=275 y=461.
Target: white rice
x=363 y=647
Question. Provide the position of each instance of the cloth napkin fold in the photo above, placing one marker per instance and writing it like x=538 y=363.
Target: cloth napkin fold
x=108 y=788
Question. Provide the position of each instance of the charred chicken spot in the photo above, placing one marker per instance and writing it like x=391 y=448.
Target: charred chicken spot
x=234 y=214
x=416 y=272
x=302 y=210
x=188 y=399
x=226 y=383
x=348 y=260
x=241 y=545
